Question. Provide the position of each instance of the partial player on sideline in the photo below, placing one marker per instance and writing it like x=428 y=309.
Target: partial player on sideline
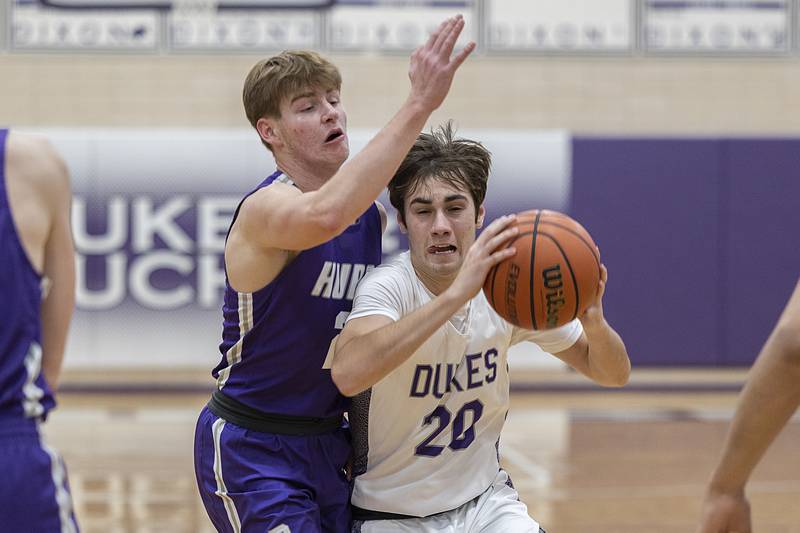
x=767 y=402
x=37 y=288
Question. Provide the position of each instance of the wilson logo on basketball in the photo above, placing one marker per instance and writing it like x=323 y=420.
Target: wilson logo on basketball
x=554 y=295
x=511 y=293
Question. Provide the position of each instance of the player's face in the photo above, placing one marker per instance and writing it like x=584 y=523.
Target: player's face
x=313 y=129
x=440 y=222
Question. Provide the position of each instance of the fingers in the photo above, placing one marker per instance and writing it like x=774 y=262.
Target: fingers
x=499 y=223
x=436 y=33
x=502 y=254
x=601 y=287
x=491 y=240
x=447 y=40
x=495 y=242
x=463 y=54
x=442 y=36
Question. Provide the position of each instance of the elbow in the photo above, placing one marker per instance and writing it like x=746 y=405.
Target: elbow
x=343 y=381
x=330 y=224
x=618 y=379
x=329 y=221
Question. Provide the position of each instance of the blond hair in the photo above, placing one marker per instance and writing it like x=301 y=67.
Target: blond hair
x=272 y=80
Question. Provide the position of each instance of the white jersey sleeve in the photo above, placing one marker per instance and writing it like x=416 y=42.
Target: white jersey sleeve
x=383 y=291
x=550 y=340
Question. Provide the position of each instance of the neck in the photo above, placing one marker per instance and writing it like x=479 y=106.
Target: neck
x=306 y=177
x=436 y=284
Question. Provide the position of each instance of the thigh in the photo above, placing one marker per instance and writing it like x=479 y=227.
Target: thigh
x=252 y=481
x=34 y=493
x=499 y=510
x=332 y=453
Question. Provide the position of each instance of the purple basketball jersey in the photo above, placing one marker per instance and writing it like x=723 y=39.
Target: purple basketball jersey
x=275 y=340
x=23 y=390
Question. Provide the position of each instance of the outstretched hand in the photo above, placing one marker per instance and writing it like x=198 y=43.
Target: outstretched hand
x=433 y=64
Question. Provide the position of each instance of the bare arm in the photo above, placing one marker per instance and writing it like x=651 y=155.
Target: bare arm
x=280 y=218
x=769 y=398
x=599 y=353
x=59 y=266
x=369 y=348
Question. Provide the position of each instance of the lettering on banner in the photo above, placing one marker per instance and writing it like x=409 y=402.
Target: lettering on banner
x=161 y=254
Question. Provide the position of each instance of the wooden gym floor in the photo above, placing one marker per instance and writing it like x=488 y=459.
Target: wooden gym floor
x=584 y=460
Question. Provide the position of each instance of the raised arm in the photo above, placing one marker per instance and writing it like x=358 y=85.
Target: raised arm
x=369 y=348
x=599 y=353
x=279 y=217
x=769 y=398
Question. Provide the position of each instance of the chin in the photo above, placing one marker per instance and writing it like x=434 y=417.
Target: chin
x=341 y=155
x=446 y=267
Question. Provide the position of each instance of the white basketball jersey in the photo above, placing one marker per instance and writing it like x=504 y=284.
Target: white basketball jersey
x=426 y=435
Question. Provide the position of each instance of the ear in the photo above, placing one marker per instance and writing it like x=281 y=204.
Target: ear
x=403 y=228
x=268 y=130
x=481 y=216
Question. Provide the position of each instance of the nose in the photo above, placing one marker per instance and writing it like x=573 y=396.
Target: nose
x=330 y=112
x=441 y=224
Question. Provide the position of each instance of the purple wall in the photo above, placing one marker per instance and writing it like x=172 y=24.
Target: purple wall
x=700 y=237
x=762 y=240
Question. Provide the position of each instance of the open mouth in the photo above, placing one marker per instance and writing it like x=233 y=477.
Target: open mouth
x=334 y=135
x=442 y=249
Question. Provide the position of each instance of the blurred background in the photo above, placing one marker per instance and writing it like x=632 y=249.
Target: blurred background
x=670 y=130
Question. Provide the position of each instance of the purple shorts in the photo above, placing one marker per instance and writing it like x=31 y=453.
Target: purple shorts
x=34 y=493
x=254 y=481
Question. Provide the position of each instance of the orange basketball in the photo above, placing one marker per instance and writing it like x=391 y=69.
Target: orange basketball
x=553 y=277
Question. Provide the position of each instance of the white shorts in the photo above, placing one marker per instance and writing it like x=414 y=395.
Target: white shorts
x=497 y=510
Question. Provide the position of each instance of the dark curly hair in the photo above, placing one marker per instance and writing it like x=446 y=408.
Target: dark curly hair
x=461 y=163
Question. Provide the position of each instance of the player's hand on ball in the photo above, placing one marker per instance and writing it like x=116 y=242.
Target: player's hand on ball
x=485 y=252
x=593 y=315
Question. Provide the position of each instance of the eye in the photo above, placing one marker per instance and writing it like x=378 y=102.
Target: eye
x=456 y=209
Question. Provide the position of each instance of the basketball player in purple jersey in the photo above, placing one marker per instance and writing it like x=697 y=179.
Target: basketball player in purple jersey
x=36 y=252
x=270 y=447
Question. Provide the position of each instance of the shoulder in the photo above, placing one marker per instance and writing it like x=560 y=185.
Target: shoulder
x=391 y=280
x=272 y=192
x=36 y=165
x=260 y=203
x=36 y=158
x=393 y=272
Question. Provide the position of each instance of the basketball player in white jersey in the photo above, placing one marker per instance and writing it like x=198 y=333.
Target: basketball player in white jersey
x=425 y=356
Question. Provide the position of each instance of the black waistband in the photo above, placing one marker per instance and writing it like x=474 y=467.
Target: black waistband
x=366 y=515
x=245 y=416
